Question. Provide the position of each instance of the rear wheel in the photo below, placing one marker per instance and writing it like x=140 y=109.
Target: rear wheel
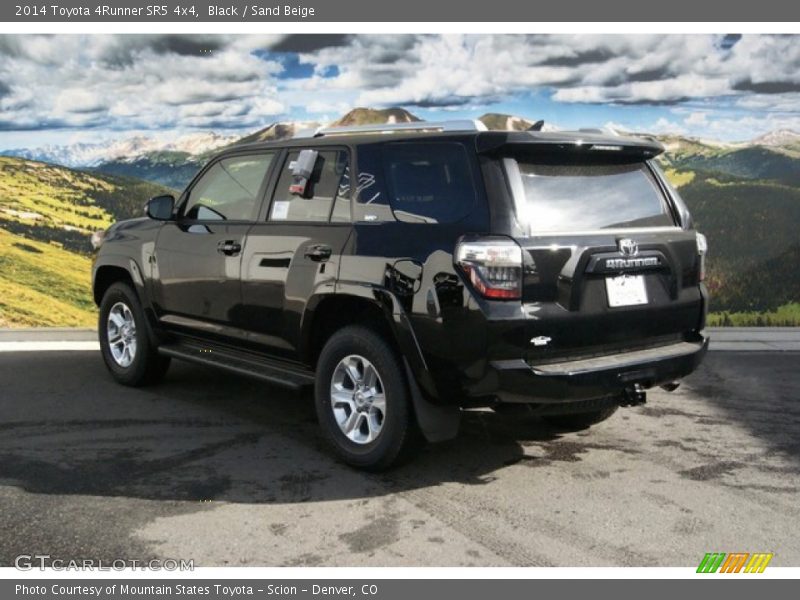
x=362 y=400
x=580 y=420
x=128 y=352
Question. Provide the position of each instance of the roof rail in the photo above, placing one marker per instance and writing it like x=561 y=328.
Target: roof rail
x=443 y=126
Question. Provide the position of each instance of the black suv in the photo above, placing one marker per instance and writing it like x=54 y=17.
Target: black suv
x=410 y=271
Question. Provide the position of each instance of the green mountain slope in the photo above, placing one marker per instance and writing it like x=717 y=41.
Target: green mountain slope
x=47 y=214
x=764 y=286
x=752 y=162
x=752 y=230
x=169 y=169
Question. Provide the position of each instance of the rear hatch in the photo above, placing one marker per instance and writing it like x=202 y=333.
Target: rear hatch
x=608 y=264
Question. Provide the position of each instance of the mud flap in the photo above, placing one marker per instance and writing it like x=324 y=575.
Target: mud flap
x=437 y=423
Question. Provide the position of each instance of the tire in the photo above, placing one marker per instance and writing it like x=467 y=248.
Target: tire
x=379 y=434
x=141 y=364
x=580 y=420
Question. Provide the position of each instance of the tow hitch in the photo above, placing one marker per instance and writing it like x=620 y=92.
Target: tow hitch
x=633 y=396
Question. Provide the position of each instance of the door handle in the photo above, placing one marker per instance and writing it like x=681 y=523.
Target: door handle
x=229 y=247
x=318 y=252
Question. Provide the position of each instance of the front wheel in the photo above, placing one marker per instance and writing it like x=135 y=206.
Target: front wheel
x=362 y=400
x=128 y=352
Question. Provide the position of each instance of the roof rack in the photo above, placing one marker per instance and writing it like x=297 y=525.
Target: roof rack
x=442 y=126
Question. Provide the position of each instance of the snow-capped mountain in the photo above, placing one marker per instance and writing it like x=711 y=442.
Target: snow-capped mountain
x=128 y=149
x=779 y=137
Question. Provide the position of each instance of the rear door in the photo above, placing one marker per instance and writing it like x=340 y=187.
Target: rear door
x=608 y=265
x=293 y=253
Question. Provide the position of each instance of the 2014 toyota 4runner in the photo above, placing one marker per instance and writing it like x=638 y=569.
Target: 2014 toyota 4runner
x=410 y=271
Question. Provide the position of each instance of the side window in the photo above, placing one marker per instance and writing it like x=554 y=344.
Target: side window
x=329 y=187
x=428 y=183
x=228 y=191
x=372 y=202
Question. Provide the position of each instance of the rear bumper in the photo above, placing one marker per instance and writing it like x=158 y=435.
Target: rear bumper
x=565 y=381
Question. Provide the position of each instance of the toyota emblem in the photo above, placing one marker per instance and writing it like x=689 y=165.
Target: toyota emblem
x=628 y=247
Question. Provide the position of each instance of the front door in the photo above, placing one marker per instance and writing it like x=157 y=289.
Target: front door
x=199 y=255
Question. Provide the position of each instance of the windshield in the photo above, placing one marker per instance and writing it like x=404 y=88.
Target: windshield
x=586 y=197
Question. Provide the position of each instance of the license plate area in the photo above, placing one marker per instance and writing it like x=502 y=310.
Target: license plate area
x=626 y=290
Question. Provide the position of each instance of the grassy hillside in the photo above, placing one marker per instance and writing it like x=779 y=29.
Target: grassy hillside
x=42 y=284
x=47 y=214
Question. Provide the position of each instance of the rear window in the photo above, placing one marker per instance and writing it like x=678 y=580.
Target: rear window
x=428 y=183
x=581 y=197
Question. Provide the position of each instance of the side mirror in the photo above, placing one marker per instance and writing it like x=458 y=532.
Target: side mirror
x=160 y=208
x=302 y=169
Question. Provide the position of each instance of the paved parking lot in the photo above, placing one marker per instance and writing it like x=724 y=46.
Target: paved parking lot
x=228 y=471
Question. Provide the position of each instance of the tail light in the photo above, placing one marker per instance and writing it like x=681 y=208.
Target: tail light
x=702 y=250
x=493 y=267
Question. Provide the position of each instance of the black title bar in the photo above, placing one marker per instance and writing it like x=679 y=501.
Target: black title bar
x=192 y=11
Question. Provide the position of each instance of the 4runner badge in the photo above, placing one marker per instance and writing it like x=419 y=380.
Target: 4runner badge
x=541 y=340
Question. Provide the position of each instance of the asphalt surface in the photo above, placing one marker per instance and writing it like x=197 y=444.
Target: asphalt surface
x=228 y=471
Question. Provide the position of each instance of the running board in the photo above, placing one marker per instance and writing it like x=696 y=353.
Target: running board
x=242 y=363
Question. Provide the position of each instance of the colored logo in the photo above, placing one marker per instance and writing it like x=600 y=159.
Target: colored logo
x=735 y=562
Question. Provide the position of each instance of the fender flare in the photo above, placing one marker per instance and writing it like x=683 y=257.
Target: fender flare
x=132 y=268
x=438 y=422
x=125 y=263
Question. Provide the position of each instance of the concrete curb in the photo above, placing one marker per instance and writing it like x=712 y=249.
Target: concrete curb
x=49 y=334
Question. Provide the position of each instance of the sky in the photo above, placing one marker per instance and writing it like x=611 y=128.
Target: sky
x=63 y=89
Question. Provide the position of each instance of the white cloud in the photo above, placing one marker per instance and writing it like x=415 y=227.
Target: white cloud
x=152 y=82
x=78 y=100
x=146 y=82
x=664 y=125
x=652 y=69
x=697 y=118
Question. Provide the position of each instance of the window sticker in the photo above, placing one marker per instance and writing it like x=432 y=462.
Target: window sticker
x=280 y=210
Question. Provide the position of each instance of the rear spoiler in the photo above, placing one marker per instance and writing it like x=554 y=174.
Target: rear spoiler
x=571 y=142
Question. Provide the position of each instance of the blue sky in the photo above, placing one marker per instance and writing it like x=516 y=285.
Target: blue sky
x=87 y=88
